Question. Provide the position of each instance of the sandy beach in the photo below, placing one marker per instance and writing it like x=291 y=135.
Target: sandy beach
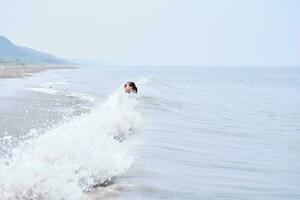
x=21 y=71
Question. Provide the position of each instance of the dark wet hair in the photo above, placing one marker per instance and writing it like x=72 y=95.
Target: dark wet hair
x=132 y=84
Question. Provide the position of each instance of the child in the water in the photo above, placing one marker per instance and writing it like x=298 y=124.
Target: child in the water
x=130 y=87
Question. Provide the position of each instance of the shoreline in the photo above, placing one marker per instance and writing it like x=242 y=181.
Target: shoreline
x=23 y=110
x=22 y=71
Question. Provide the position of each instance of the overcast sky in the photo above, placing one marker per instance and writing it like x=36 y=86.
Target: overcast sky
x=158 y=32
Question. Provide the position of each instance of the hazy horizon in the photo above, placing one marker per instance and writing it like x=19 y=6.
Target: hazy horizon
x=158 y=32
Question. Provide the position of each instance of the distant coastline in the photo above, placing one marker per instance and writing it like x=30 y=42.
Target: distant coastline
x=19 y=62
x=17 y=70
x=11 y=53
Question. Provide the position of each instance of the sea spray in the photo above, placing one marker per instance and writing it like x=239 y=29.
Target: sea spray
x=68 y=160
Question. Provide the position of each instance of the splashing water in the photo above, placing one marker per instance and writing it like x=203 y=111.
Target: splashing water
x=67 y=161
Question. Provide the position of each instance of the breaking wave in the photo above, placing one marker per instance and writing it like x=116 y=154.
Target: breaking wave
x=70 y=160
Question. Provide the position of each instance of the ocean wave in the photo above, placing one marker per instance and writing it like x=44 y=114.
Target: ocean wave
x=68 y=161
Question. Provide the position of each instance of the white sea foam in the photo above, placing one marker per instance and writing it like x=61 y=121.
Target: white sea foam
x=48 y=87
x=51 y=83
x=82 y=96
x=44 y=90
x=66 y=161
x=53 y=88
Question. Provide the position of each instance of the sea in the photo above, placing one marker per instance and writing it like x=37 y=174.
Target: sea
x=190 y=133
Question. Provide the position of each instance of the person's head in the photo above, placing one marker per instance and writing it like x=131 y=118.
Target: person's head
x=130 y=87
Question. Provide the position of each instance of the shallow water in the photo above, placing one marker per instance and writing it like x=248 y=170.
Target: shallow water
x=199 y=133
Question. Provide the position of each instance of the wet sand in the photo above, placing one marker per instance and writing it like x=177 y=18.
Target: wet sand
x=21 y=71
x=36 y=111
x=27 y=110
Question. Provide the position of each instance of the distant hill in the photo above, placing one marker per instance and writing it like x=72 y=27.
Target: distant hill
x=9 y=52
